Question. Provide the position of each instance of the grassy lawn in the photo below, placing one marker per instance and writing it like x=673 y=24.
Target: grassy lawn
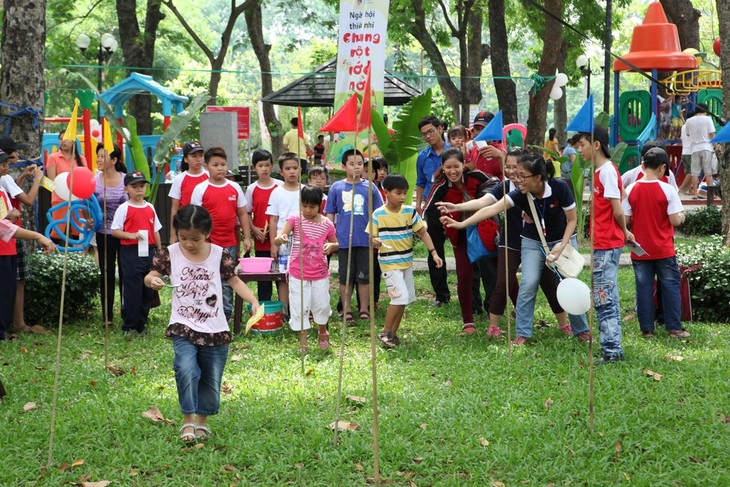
x=453 y=410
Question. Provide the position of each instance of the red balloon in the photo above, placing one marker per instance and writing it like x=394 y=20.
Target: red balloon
x=716 y=46
x=83 y=183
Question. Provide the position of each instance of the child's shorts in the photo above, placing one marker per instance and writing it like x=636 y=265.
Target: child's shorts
x=316 y=300
x=399 y=284
x=358 y=265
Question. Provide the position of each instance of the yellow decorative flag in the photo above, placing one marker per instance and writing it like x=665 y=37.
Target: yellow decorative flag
x=108 y=140
x=70 y=133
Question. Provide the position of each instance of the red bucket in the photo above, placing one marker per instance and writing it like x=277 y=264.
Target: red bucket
x=272 y=320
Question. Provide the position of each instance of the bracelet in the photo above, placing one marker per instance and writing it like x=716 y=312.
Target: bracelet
x=431 y=250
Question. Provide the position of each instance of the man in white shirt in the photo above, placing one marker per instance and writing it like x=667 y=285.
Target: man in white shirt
x=686 y=157
x=700 y=131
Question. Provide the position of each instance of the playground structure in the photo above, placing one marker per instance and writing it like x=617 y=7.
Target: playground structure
x=116 y=97
x=637 y=118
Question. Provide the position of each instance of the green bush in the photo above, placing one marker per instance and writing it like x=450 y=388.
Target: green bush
x=708 y=285
x=43 y=289
x=703 y=222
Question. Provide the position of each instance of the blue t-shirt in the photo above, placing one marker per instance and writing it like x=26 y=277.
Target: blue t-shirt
x=514 y=218
x=426 y=164
x=340 y=204
x=550 y=208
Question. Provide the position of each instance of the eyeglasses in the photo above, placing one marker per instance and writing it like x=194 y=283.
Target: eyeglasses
x=428 y=132
x=520 y=177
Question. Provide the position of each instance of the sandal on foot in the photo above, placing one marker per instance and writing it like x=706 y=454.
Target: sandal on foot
x=495 y=332
x=566 y=329
x=324 y=341
x=469 y=328
x=202 y=432
x=679 y=334
x=364 y=315
x=189 y=436
x=519 y=341
x=349 y=318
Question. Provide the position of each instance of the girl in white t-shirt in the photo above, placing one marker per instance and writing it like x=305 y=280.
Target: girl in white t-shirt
x=198 y=327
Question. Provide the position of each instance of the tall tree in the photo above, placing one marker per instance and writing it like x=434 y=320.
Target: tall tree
x=687 y=19
x=216 y=59
x=254 y=25
x=723 y=16
x=499 y=57
x=22 y=81
x=552 y=36
x=138 y=48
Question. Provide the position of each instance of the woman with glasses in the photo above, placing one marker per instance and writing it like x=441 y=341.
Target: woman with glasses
x=555 y=207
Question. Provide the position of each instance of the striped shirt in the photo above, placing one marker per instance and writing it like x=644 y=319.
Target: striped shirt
x=313 y=235
x=396 y=232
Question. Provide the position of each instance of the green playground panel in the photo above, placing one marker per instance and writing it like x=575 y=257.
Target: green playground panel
x=634 y=114
x=713 y=100
x=629 y=159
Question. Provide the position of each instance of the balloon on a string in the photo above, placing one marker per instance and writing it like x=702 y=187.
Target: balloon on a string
x=716 y=47
x=561 y=79
x=574 y=296
x=556 y=93
x=83 y=182
x=61 y=189
x=95 y=129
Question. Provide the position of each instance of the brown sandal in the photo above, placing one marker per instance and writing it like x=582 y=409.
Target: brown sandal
x=324 y=341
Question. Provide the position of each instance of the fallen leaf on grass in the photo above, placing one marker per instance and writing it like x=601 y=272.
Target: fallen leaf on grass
x=85 y=355
x=359 y=467
x=424 y=426
x=237 y=358
x=226 y=388
x=617 y=451
x=548 y=403
x=229 y=468
x=497 y=483
x=345 y=425
x=483 y=442
x=629 y=317
x=118 y=372
x=673 y=358
x=23 y=350
x=155 y=415
x=356 y=399
x=651 y=373
x=447 y=383
x=724 y=418
x=411 y=483
x=92 y=383
x=694 y=459
x=101 y=483
x=309 y=372
x=39 y=368
x=299 y=465
x=77 y=463
x=418 y=460
x=29 y=406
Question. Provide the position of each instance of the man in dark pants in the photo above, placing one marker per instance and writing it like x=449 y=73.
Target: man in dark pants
x=429 y=160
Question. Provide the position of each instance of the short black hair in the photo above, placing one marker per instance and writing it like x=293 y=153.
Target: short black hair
x=215 y=152
x=317 y=170
x=294 y=122
x=378 y=163
x=452 y=153
x=351 y=152
x=395 y=181
x=261 y=155
x=429 y=119
x=193 y=217
x=311 y=195
x=287 y=156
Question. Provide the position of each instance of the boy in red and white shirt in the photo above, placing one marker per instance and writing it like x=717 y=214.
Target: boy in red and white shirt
x=192 y=174
x=137 y=226
x=227 y=207
x=653 y=208
x=257 y=201
x=609 y=235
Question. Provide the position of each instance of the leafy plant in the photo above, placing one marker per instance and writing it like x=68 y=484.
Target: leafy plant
x=705 y=221
x=401 y=150
x=709 y=283
x=43 y=289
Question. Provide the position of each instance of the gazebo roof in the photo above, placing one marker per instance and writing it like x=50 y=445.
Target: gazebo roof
x=318 y=89
x=136 y=84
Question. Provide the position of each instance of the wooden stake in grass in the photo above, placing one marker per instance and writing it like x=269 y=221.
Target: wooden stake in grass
x=591 y=310
x=506 y=264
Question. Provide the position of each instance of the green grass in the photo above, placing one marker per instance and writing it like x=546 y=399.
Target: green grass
x=440 y=394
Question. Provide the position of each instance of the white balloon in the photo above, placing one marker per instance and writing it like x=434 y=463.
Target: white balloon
x=574 y=296
x=556 y=93
x=561 y=79
x=61 y=189
x=94 y=124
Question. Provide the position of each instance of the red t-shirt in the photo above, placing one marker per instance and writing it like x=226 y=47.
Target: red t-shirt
x=222 y=202
x=491 y=167
x=184 y=184
x=257 y=200
x=606 y=186
x=132 y=219
x=650 y=203
x=6 y=248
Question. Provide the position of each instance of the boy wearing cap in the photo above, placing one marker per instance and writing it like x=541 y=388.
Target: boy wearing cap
x=488 y=158
x=653 y=209
x=18 y=196
x=184 y=183
x=137 y=226
x=609 y=236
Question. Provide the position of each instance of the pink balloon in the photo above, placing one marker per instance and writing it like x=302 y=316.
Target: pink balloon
x=83 y=183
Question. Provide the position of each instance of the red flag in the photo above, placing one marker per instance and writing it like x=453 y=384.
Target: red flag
x=300 y=124
x=345 y=120
x=364 y=120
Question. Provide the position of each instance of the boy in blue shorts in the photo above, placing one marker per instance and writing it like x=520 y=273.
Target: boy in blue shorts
x=392 y=233
x=348 y=200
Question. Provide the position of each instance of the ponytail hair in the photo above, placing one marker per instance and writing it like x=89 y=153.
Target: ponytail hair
x=536 y=165
x=118 y=155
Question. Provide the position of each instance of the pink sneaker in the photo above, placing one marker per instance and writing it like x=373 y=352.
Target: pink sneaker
x=565 y=328
x=495 y=332
x=469 y=328
x=519 y=341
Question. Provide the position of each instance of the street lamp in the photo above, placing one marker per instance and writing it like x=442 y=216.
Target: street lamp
x=583 y=63
x=107 y=46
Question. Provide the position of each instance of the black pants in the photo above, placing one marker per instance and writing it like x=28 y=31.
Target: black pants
x=485 y=271
x=108 y=250
x=264 y=289
x=137 y=298
x=438 y=276
x=8 y=272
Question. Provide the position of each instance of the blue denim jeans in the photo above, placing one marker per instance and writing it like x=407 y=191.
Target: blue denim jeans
x=198 y=375
x=227 y=289
x=668 y=277
x=533 y=265
x=606 y=300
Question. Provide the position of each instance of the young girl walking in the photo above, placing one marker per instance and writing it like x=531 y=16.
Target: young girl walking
x=198 y=327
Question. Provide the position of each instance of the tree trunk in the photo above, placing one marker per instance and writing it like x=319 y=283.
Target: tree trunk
x=138 y=49
x=552 y=40
x=499 y=57
x=723 y=15
x=261 y=49
x=687 y=19
x=473 y=56
x=22 y=81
